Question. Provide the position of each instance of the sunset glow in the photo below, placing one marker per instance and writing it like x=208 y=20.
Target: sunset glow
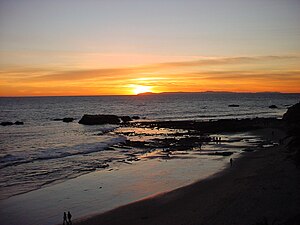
x=121 y=49
x=139 y=89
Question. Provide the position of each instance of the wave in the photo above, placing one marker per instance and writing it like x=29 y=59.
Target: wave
x=59 y=152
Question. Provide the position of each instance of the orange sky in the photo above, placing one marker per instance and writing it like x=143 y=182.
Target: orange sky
x=238 y=74
x=75 y=47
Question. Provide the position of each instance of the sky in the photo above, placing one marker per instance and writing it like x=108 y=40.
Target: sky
x=121 y=47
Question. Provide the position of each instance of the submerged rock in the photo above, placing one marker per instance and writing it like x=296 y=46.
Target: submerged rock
x=19 y=123
x=57 y=119
x=233 y=105
x=68 y=119
x=99 y=119
x=6 y=123
x=273 y=107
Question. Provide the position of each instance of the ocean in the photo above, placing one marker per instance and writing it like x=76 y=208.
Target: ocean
x=44 y=151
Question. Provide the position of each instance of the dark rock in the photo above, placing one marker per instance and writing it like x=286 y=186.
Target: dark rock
x=57 y=119
x=68 y=119
x=103 y=166
x=136 y=117
x=99 y=119
x=273 y=107
x=19 y=123
x=248 y=150
x=293 y=114
x=233 y=105
x=221 y=153
x=126 y=119
x=223 y=125
x=6 y=123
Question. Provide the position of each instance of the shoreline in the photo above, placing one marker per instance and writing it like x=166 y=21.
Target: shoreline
x=262 y=186
x=156 y=172
x=112 y=187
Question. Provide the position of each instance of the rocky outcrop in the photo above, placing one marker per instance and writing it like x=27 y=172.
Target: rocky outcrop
x=99 y=119
x=292 y=117
x=293 y=114
x=233 y=105
x=223 y=125
x=104 y=119
x=126 y=119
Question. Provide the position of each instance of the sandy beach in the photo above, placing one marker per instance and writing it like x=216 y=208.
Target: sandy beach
x=262 y=187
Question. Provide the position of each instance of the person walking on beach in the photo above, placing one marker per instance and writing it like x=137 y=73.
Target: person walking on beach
x=69 y=218
x=231 y=161
x=65 y=221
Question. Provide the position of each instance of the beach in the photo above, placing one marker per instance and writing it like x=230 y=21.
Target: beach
x=261 y=187
x=138 y=177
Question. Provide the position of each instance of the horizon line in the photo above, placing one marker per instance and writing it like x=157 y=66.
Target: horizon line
x=151 y=93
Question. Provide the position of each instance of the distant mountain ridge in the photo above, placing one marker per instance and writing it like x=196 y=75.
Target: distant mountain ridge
x=212 y=92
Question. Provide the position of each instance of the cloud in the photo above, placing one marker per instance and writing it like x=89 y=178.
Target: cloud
x=206 y=73
x=227 y=60
x=36 y=74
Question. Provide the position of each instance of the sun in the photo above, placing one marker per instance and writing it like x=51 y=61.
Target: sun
x=139 y=89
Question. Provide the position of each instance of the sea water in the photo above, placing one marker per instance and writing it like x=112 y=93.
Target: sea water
x=44 y=151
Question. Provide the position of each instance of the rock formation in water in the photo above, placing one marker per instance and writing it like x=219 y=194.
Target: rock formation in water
x=99 y=119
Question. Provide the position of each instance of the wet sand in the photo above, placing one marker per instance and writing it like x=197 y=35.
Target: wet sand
x=262 y=187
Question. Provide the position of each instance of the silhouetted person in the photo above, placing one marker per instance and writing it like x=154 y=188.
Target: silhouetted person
x=65 y=221
x=70 y=217
x=231 y=161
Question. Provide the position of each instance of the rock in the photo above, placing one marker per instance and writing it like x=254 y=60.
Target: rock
x=233 y=105
x=221 y=153
x=103 y=166
x=99 y=119
x=136 y=117
x=248 y=150
x=273 y=107
x=292 y=114
x=57 y=119
x=19 y=123
x=68 y=119
x=126 y=119
x=6 y=123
